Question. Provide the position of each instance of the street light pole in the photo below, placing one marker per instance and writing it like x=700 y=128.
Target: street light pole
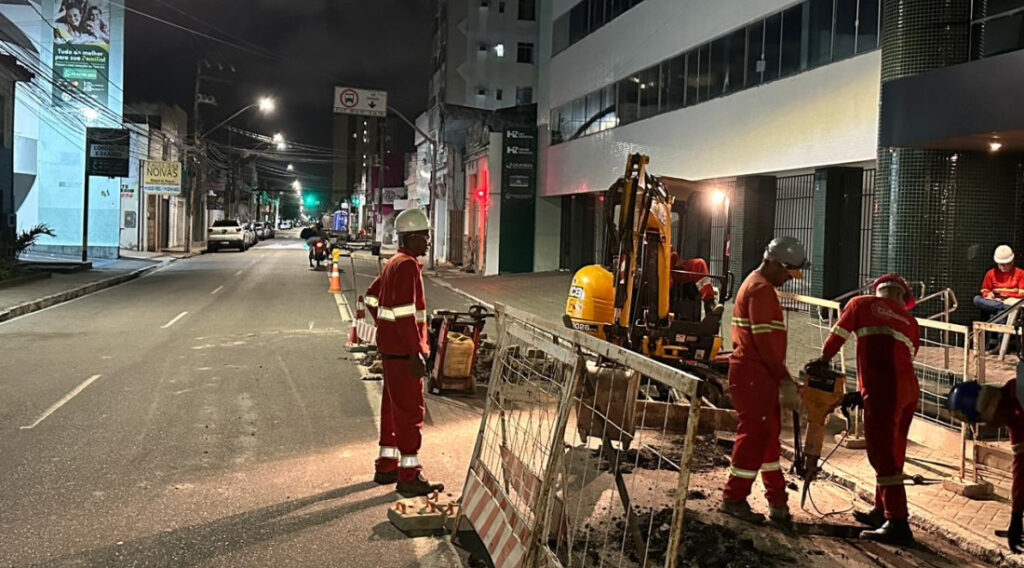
x=433 y=177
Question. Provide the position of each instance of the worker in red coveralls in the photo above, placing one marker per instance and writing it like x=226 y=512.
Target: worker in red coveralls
x=887 y=341
x=697 y=269
x=1002 y=287
x=757 y=377
x=397 y=304
x=1001 y=407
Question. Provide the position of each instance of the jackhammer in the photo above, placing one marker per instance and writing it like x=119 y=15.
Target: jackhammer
x=823 y=391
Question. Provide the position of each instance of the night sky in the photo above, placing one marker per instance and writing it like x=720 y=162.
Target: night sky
x=379 y=44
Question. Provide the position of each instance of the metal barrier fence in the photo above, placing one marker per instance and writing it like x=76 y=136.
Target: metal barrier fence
x=584 y=451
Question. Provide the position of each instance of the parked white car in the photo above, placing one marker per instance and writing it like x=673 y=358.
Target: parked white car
x=285 y=225
x=229 y=233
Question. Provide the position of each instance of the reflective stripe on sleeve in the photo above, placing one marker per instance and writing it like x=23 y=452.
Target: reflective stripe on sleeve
x=392 y=314
x=841 y=332
x=883 y=330
x=371 y=301
x=421 y=316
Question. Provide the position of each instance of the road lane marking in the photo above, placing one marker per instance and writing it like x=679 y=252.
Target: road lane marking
x=64 y=400
x=219 y=288
x=174 y=321
x=310 y=325
x=239 y=273
x=346 y=314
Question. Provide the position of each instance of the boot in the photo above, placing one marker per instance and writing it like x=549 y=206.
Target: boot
x=741 y=510
x=894 y=531
x=418 y=487
x=874 y=518
x=385 y=477
x=780 y=515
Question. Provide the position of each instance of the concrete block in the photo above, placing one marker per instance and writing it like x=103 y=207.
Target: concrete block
x=420 y=516
x=969 y=489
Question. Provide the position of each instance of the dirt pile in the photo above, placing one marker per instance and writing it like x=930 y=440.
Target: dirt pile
x=707 y=455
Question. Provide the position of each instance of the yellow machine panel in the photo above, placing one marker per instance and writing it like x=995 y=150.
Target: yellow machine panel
x=591 y=300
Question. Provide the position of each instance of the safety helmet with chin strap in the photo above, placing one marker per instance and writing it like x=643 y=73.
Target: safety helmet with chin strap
x=893 y=279
x=412 y=221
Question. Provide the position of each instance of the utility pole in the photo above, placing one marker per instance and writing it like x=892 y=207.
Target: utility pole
x=196 y=177
x=380 y=177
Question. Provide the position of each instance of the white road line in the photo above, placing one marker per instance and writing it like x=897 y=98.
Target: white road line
x=174 y=321
x=239 y=273
x=219 y=288
x=310 y=325
x=64 y=400
x=346 y=314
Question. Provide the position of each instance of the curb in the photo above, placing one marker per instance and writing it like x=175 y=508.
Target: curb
x=973 y=543
x=67 y=295
x=441 y=282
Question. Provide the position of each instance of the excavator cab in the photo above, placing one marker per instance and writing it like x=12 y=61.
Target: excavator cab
x=630 y=300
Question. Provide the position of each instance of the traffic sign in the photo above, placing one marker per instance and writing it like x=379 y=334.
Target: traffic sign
x=362 y=102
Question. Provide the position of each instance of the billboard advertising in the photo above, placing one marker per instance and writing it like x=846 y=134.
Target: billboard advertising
x=161 y=177
x=81 y=48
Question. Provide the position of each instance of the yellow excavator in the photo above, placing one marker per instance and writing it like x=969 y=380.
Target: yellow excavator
x=630 y=300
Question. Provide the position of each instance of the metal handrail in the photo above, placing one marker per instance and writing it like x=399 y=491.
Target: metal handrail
x=950 y=303
x=867 y=287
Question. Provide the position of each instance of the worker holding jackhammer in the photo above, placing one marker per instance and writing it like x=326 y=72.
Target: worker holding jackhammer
x=1001 y=407
x=757 y=377
x=397 y=304
x=887 y=341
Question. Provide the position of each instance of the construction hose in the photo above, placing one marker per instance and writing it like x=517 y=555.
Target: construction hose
x=810 y=495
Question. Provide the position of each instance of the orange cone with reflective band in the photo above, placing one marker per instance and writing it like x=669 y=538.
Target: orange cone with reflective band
x=360 y=308
x=353 y=337
x=335 y=287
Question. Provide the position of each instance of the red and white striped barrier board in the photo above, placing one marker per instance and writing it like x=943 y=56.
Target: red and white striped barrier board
x=366 y=331
x=495 y=519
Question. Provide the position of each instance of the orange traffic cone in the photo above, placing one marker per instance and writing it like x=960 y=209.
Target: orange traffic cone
x=353 y=337
x=360 y=308
x=335 y=287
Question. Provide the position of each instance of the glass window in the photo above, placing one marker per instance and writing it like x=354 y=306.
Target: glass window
x=524 y=53
x=867 y=26
x=527 y=9
x=846 y=29
x=792 y=33
x=609 y=118
x=597 y=14
x=819 y=33
x=617 y=7
x=578 y=22
x=692 y=78
x=772 y=43
x=755 y=54
x=594 y=107
x=673 y=81
x=703 y=73
x=649 y=91
x=628 y=99
x=993 y=7
x=735 y=65
x=579 y=116
x=524 y=95
x=999 y=35
x=560 y=34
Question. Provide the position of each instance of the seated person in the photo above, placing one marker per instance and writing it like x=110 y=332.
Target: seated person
x=1002 y=287
x=701 y=284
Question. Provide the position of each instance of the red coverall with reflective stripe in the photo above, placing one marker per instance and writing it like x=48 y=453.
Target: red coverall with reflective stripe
x=756 y=367
x=1004 y=284
x=698 y=265
x=397 y=304
x=887 y=340
x=1010 y=414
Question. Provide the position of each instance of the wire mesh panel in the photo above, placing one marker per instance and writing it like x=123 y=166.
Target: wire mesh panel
x=583 y=453
x=794 y=217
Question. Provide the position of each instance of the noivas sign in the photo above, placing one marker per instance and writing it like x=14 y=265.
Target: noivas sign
x=161 y=177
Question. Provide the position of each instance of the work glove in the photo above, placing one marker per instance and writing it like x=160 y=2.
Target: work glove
x=853 y=400
x=817 y=367
x=1014 y=533
x=789 y=398
x=417 y=365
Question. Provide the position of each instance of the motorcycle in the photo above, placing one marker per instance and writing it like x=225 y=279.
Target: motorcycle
x=317 y=252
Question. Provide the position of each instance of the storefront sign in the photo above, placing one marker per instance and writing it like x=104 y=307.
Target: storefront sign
x=81 y=49
x=518 y=193
x=107 y=151
x=161 y=177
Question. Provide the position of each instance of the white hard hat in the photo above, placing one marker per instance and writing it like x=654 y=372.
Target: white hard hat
x=411 y=221
x=1004 y=254
x=790 y=252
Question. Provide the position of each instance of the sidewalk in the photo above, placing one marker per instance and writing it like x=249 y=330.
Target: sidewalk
x=32 y=296
x=968 y=523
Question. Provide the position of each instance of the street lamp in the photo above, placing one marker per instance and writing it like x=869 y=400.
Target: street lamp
x=297 y=185
x=278 y=138
x=291 y=168
x=265 y=104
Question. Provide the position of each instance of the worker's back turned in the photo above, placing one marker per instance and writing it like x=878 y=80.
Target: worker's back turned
x=759 y=330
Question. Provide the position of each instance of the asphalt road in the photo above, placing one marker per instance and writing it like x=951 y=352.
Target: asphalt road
x=207 y=415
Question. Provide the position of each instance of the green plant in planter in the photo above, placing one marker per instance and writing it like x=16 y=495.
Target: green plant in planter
x=11 y=251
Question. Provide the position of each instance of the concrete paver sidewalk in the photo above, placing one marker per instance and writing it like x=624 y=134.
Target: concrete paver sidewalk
x=35 y=295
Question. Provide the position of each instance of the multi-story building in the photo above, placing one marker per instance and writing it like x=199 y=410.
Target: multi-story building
x=484 y=58
x=878 y=131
